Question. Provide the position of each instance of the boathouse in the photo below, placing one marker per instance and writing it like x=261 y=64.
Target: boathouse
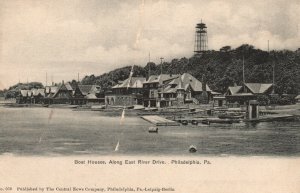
x=249 y=91
x=22 y=96
x=74 y=94
x=32 y=96
x=37 y=95
x=181 y=90
x=128 y=92
x=152 y=87
x=49 y=92
x=63 y=95
x=92 y=93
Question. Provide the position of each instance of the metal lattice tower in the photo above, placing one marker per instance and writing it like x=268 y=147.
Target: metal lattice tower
x=201 y=41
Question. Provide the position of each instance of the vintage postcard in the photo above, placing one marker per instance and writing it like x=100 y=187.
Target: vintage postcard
x=199 y=96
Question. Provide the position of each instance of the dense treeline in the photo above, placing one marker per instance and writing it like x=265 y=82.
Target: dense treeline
x=221 y=69
x=11 y=92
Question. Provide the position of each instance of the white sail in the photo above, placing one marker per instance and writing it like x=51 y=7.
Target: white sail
x=117 y=146
x=130 y=76
x=122 y=116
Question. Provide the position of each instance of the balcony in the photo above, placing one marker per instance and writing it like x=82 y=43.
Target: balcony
x=167 y=99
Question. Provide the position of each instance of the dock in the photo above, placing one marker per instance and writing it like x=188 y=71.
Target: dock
x=270 y=118
x=159 y=121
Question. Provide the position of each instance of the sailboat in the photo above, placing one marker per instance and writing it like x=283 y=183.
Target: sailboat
x=117 y=146
x=121 y=122
x=123 y=112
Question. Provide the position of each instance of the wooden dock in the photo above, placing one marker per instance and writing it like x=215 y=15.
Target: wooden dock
x=270 y=118
x=159 y=121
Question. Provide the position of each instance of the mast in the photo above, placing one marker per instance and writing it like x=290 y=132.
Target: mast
x=130 y=76
x=273 y=74
x=149 y=70
x=46 y=79
x=273 y=68
x=161 y=59
x=19 y=84
x=243 y=70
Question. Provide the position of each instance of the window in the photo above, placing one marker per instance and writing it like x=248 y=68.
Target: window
x=151 y=93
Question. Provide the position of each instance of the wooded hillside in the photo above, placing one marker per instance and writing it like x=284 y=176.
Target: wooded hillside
x=222 y=69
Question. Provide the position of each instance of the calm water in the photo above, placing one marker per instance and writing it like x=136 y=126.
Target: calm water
x=51 y=132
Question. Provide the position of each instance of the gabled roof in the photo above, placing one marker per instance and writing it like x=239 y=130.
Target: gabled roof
x=134 y=82
x=51 y=89
x=61 y=88
x=180 y=84
x=169 y=90
x=41 y=91
x=185 y=81
x=161 y=78
x=24 y=93
x=258 y=88
x=85 y=89
x=95 y=89
x=195 y=84
x=36 y=92
x=76 y=92
x=69 y=86
x=234 y=89
x=91 y=96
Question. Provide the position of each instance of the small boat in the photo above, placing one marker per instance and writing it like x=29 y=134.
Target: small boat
x=151 y=109
x=192 y=149
x=130 y=107
x=97 y=107
x=138 y=107
x=153 y=130
x=222 y=121
x=194 y=122
x=184 y=122
x=205 y=122
x=231 y=116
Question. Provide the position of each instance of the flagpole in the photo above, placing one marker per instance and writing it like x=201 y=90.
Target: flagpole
x=161 y=59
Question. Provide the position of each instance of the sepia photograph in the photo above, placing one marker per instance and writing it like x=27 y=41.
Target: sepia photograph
x=149 y=96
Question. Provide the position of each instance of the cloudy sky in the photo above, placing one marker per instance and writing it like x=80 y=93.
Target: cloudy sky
x=64 y=37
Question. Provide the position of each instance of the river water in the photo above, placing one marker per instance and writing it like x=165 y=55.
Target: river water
x=56 y=132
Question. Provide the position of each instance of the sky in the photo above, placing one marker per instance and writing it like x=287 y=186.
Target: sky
x=65 y=37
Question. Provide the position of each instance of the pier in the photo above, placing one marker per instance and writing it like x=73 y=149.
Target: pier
x=270 y=118
x=159 y=121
